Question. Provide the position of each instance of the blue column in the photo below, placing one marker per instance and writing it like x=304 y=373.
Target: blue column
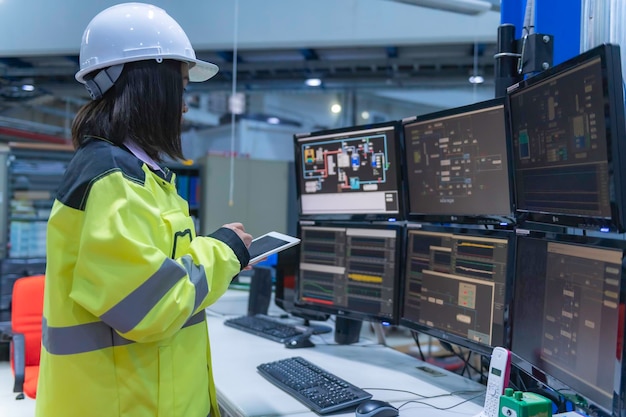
x=512 y=11
x=562 y=19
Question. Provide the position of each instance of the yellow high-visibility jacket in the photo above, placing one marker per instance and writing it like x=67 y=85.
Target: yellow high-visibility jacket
x=127 y=282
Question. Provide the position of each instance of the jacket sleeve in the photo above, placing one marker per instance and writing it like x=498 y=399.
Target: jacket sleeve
x=125 y=273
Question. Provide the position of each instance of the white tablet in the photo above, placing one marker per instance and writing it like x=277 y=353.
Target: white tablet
x=268 y=244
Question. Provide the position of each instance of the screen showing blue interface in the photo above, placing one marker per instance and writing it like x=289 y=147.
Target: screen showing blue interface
x=349 y=172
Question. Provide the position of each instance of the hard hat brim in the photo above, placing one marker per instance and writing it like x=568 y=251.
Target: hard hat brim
x=199 y=71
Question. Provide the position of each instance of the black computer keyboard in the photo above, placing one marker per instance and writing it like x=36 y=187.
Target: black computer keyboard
x=316 y=388
x=265 y=326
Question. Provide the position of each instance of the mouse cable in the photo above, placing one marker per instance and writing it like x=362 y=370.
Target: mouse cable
x=424 y=397
x=440 y=408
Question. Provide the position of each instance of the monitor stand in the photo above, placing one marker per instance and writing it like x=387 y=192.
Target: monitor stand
x=317 y=328
x=347 y=331
x=380 y=333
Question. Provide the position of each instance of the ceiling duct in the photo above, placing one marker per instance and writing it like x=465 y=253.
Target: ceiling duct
x=471 y=7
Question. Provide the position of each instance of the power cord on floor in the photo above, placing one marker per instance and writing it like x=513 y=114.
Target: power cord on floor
x=467 y=366
x=415 y=336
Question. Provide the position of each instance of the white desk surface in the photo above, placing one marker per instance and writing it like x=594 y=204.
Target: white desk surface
x=378 y=369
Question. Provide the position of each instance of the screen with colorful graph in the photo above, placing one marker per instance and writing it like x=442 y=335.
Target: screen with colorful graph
x=457 y=284
x=351 y=270
x=350 y=173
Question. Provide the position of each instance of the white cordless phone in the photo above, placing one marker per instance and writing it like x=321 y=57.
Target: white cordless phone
x=497 y=381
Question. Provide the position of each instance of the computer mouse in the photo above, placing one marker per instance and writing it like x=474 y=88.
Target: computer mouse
x=376 y=408
x=302 y=341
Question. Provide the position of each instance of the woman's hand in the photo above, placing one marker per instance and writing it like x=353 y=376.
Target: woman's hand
x=241 y=232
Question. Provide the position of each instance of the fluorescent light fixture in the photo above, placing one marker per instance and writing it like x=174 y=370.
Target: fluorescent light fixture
x=313 y=82
x=237 y=103
x=273 y=120
x=471 y=7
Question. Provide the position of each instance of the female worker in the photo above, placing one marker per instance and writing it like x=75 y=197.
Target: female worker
x=127 y=279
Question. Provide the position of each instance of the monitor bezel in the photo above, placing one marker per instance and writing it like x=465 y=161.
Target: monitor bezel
x=442 y=334
x=351 y=314
x=399 y=144
x=501 y=219
x=612 y=85
x=595 y=239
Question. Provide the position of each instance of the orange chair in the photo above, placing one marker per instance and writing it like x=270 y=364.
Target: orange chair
x=26 y=318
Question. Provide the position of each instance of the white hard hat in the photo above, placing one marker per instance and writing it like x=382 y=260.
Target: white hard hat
x=131 y=32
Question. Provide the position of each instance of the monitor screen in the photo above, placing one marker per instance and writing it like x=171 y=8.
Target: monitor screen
x=567 y=317
x=457 y=165
x=350 y=174
x=457 y=285
x=352 y=271
x=567 y=128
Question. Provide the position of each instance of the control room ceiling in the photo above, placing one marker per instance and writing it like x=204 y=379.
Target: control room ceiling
x=39 y=92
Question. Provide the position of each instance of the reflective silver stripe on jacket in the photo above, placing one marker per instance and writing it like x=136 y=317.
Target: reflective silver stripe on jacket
x=89 y=337
x=126 y=314
x=197 y=276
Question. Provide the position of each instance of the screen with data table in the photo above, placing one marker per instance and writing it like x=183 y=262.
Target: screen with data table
x=457 y=285
x=350 y=270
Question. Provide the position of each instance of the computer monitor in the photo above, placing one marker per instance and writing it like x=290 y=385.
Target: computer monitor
x=351 y=173
x=567 y=317
x=457 y=284
x=350 y=270
x=457 y=165
x=285 y=287
x=567 y=127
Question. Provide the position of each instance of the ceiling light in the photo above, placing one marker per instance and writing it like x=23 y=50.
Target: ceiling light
x=313 y=82
x=237 y=103
x=458 y=6
x=273 y=120
x=28 y=87
x=365 y=115
x=476 y=79
x=335 y=108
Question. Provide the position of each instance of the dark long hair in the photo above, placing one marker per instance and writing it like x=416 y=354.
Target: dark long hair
x=145 y=106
